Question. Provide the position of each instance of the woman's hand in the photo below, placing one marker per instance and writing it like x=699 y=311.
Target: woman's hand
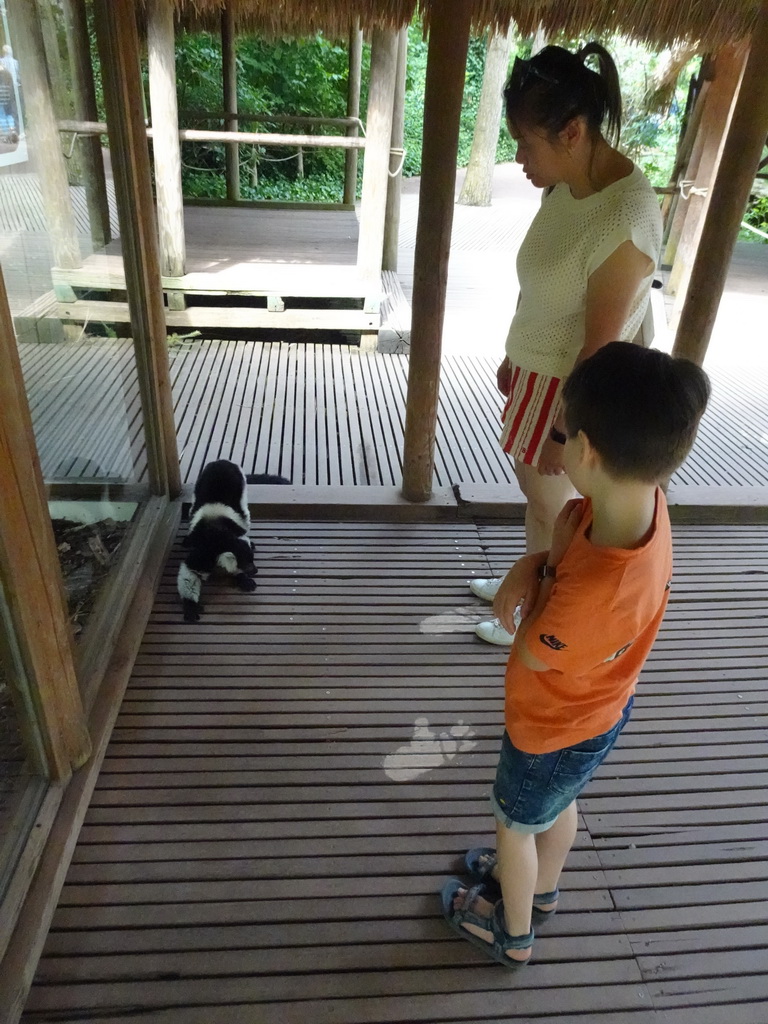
x=566 y=525
x=551 y=459
x=504 y=377
x=520 y=587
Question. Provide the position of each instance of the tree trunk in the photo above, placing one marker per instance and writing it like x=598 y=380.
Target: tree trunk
x=477 y=189
x=353 y=110
x=84 y=90
x=44 y=135
x=165 y=136
x=381 y=92
x=396 y=158
x=229 y=69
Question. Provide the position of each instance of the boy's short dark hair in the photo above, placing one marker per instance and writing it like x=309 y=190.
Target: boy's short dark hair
x=639 y=407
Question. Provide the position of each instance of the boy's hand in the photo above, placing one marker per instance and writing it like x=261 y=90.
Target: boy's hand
x=521 y=584
x=566 y=525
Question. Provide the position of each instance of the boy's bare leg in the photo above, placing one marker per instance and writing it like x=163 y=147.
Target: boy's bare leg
x=552 y=847
x=517 y=869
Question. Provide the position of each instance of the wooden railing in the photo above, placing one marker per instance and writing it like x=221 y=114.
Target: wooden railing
x=233 y=139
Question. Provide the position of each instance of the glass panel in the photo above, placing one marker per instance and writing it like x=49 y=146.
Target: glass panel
x=63 y=268
x=21 y=761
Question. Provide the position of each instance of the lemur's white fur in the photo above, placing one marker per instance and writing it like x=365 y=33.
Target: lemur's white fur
x=190 y=583
x=228 y=563
x=216 y=510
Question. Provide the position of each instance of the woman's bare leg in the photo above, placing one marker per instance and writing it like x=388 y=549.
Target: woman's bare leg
x=545 y=495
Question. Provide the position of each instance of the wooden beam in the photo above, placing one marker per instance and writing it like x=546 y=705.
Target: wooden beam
x=353 y=110
x=257 y=138
x=228 y=317
x=446 y=65
x=272 y=139
x=118 y=41
x=161 y=49
x=44 y=142
x=85 y=109
x=245 y=115
x=381 y=92
x=31 y=575
x=729 y=64
x=229 y=84
x=730 y=191
x=396 y=157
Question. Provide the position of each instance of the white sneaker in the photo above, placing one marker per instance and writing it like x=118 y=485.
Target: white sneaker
x=487 y=589
x=494 y=633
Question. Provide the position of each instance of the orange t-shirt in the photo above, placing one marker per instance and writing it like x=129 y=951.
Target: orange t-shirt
x=594 y=634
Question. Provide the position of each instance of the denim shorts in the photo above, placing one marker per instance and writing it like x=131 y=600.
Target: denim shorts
x=531 y=790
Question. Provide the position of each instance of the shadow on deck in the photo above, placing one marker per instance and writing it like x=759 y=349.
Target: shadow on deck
x=289 y=782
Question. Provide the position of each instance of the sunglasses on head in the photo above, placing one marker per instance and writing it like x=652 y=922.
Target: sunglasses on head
x=525 y=70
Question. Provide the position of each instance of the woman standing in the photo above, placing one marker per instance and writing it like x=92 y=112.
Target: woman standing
x=585 y=267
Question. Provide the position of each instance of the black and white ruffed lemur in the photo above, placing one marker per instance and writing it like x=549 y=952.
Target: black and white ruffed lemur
x=218 y=532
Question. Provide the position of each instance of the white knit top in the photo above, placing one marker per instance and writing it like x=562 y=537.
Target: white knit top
x=568 y=240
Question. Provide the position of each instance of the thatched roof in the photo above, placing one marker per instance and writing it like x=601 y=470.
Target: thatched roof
x=658 y=22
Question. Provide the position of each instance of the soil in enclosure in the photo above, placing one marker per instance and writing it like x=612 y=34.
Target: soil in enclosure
x=87 y=553
x=12 y=760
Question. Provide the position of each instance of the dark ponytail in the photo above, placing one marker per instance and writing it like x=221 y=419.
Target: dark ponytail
x=555 y=86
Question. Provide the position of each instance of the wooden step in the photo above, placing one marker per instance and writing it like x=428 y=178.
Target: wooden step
x=236 y=318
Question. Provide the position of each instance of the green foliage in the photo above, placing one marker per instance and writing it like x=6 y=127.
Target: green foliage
x=649 y=137
x=757 y=216
x=285 y=76
x=309 y=76
x=413 y=113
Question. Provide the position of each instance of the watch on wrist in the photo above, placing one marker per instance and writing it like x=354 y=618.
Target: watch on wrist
x=547 y=571
x=558 y=436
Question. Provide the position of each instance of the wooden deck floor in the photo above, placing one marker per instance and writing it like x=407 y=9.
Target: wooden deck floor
x=289 y=782
x=323 y=414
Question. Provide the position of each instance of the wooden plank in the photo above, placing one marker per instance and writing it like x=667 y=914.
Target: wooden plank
x=244 y=820
x=301 y=280
x=226 y=318
x=477 y=1005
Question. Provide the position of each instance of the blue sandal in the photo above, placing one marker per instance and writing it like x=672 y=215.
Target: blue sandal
x=480 y=862
x=502 y=940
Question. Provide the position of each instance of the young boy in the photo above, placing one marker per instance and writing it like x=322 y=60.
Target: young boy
x=592 y=606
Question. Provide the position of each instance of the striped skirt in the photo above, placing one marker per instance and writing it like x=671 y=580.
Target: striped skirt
x=533 y=403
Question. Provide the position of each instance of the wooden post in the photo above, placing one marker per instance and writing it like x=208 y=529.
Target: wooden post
x=396 y=152
x=729 y=65
x=446 y=65
x=29 y=567
x=373 y=203
x=684 y=163
x=353 y=110
x=85 y=110
x=229 y=77
x=45 y=144
x=118 y=41
x=730 y=192
x=165 y=136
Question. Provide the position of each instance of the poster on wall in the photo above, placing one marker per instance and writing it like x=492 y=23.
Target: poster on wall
x=13 y=145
